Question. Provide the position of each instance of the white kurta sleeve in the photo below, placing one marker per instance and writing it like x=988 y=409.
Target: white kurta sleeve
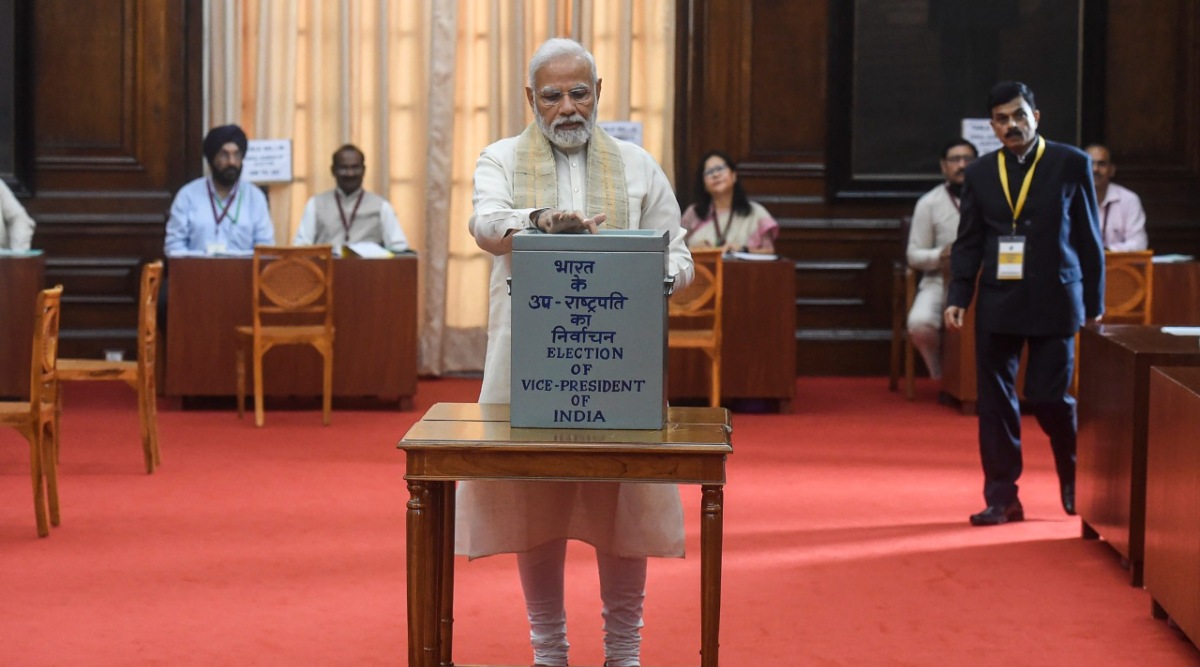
x=923 y=252
x=494 y=218
x=660 y=210
x=389 y=226
x=306 y=234
x=16 y=219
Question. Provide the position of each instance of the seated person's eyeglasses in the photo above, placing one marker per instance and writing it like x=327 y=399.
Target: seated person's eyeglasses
x=714 y=170
x=960 y=159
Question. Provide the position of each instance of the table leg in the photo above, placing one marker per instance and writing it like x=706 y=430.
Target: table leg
x=711 y=537
x=445 y=551
x=422 y=606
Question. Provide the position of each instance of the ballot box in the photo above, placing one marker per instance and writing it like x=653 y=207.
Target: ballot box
x=589 y=329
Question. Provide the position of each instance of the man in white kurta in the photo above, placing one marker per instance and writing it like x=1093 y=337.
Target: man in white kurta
x=565 y=175
x=934 y=228
x=348 y=213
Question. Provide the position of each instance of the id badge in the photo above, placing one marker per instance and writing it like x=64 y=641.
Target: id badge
x=215 y=248
x=1012 y=258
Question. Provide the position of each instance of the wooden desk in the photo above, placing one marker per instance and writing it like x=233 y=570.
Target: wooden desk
x=1176 y=294
x=758 y=348
x=21 y=278
x=1173 y=498
x=1114 y=402
x=466 y=441
x=375 y=312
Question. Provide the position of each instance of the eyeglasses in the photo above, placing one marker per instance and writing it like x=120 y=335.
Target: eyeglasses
x=552 y=98
x=715 y=169
x=959 y=159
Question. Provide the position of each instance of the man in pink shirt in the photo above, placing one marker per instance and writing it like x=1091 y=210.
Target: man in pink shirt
x=1122 y=220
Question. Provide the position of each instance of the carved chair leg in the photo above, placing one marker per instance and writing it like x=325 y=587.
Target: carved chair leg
x=39 y=488
x=49 y=435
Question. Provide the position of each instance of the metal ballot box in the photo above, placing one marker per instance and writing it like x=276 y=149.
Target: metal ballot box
x=589 y=329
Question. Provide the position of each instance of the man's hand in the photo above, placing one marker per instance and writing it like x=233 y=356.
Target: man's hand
x=953 y=317
x=945 y=254
x=555 y=221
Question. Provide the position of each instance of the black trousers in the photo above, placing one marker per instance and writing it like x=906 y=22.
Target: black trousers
x=1047 y=378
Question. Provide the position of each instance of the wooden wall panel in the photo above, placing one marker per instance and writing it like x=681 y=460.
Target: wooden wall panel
x=1152 y=114
x=115 y=98
x=753 y=79
x=785 y=121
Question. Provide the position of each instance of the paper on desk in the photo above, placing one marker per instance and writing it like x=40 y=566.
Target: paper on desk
x=5 y=252
x=1182 y=331
x=753 y=256
x=1171 y=258
x=369 y=250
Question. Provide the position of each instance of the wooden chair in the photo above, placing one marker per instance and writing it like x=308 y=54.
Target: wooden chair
x=1128 y=287
x=904 y=291
x=697 y=308
x=35 y=419
x=1128 y=294
x=292 y=305
x=139 y=374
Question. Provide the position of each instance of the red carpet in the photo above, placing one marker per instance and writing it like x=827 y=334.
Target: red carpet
x=846 y=543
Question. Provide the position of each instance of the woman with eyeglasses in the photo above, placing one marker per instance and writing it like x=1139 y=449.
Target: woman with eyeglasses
x=722 y=216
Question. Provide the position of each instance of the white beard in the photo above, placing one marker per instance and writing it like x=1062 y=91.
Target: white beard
x=567 y=138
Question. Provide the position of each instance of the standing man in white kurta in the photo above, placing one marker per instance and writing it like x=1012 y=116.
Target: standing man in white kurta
x=564 y=174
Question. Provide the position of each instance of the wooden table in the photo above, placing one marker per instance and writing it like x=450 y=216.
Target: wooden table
x=758 y=346
x=468 y=441
x=21 y=278
x=1176 y=293
x=1173 y=498
x=375 y=313
x=1114 y=408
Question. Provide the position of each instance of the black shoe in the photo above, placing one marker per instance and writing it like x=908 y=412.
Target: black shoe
x=1068 y=497
x=998 y=514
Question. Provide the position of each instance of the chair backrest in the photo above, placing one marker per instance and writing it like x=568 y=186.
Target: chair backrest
x=1128 y=286
x=701 y=301
x=148 y=314
x=43 y=369
x=293 y=285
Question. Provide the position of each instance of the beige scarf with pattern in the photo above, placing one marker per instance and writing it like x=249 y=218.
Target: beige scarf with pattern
x=535 y=183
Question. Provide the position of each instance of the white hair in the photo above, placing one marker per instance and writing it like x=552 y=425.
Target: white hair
x=558 y=47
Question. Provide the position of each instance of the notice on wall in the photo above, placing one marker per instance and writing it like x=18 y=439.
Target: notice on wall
x=627 y=130
x=979 y=132
x=589 y=330
x=268 y=161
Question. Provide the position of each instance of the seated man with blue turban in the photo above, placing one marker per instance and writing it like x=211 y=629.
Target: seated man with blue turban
x=221 y=213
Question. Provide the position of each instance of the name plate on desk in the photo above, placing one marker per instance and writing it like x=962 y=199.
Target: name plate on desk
x=589 y=330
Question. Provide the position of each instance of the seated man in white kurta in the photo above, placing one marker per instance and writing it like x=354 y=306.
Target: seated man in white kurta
x=564 y=174
x=934 y=228
x=348 y=213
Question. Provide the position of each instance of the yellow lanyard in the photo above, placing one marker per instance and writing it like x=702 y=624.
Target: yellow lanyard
x=1016 y=210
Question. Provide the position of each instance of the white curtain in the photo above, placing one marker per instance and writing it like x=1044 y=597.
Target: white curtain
x=422 y=86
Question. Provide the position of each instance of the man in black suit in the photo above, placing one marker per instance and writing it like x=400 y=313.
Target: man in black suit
x=1029 y=218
